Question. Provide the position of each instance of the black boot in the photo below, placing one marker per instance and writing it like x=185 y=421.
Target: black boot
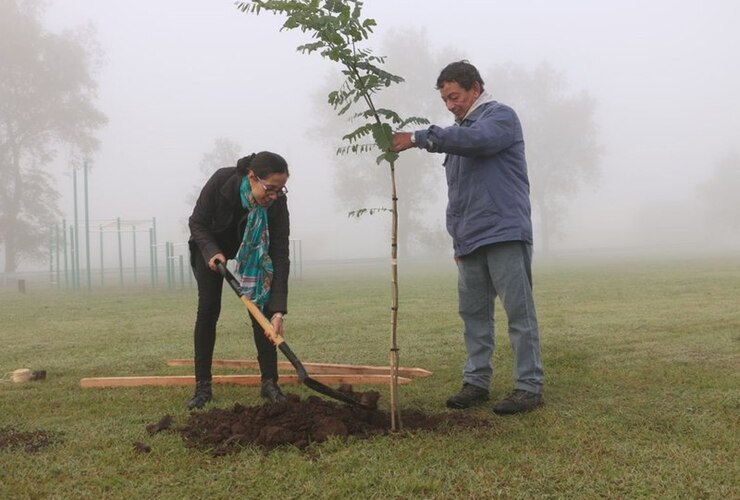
x=271 y=391
x=201 y=396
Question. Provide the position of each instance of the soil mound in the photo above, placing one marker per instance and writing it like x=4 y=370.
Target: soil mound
x=298 y=423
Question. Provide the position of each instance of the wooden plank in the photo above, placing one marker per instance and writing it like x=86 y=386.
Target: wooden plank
x=253 y=380
x=312 y=368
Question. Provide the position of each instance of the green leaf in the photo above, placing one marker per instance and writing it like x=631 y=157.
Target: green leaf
x=370 y=211
x=383 y=135
x=388 y=156
x=414 y=120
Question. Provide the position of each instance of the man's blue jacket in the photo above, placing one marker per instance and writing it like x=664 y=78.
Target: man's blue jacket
x=487 y=184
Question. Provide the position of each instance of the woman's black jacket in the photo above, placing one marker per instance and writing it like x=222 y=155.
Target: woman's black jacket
x=217 y=225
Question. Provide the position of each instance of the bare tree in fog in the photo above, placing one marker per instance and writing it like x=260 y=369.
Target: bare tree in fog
x=563 y=152
x=46 y=100
x=721 y=195
x=224 y=153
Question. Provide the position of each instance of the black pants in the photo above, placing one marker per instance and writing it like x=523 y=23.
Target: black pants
x=210 y=287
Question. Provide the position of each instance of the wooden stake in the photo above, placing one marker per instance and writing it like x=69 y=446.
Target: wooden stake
x=312 y=368
x=396 y=424
x=251 y=380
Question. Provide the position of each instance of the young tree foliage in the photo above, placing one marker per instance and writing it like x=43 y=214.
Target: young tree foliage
x=46 y=100
x=421 y=181
x=338 y=31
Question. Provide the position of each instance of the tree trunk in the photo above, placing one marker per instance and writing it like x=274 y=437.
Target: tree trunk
x=11 y=216
x=10 y=249
x=396 y=424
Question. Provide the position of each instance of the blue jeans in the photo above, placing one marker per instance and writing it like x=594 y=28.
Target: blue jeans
x=503 y=270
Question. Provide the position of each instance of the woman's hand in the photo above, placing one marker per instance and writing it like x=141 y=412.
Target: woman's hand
x=277 y=324
x=212 y=262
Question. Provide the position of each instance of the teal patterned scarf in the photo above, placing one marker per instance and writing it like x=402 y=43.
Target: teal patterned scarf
x=253 y=263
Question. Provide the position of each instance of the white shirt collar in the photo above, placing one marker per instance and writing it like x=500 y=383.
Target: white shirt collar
x=482 y=99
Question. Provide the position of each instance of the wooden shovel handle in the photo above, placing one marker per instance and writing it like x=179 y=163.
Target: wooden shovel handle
x=253 y=309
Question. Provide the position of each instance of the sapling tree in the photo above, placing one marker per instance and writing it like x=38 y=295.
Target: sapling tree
x=338 y=30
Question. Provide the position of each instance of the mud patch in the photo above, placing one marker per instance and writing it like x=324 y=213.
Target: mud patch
x=299 y=423
x=29 y=441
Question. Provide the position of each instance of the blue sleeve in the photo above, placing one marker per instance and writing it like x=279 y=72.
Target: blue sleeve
x=494 y=131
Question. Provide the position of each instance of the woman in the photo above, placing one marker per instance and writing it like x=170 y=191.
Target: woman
x=241 y=214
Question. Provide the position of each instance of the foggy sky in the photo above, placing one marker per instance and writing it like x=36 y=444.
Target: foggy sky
x=177 y=75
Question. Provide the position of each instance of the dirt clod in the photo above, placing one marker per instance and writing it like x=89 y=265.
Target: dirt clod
x=163 y=424
x=299 y=423
x=140 y=447
x=29 y=441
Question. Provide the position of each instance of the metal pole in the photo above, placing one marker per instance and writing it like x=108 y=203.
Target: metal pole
x=56 y=238
x=51 y=256
x=171 y=260
x=87 y=234
x=190 y=271
x=133 y=234
x=154 y=240
x=170 y=274
x=64 y=237
x=72 y=260
x=151 y=256
x=102 y=271
x=120 y=251
x=76 y=243
x=182 y=273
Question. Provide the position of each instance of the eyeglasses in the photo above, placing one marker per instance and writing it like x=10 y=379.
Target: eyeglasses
x=272 y=189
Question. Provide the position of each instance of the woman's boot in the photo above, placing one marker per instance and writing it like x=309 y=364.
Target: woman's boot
x=201 y=396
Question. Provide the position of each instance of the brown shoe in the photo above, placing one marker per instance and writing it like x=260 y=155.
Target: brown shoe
x=518 y=401
x=469 y=396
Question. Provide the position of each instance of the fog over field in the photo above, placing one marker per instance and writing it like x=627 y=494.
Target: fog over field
x=176 y=76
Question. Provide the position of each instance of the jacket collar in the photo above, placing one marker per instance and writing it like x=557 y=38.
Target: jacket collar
x=230 y=188
x=484 y=98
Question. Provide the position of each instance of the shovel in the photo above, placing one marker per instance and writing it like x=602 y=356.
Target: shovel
x=280 y=343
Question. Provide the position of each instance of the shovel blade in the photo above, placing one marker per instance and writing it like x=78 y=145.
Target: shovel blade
x=332 y=393
x=315 y=384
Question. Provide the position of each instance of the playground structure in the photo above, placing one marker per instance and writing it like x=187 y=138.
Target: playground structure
x=122 y=259
x=161 y=265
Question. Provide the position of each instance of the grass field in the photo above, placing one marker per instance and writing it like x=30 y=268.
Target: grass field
x=642 y=362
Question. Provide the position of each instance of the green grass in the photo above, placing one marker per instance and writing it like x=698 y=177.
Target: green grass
x=643 y=389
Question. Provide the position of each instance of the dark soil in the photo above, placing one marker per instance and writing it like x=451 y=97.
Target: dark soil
x=299 y=423
x=163 y=424
x=30 y=441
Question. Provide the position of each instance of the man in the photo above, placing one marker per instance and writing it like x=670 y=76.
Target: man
x=489 y=219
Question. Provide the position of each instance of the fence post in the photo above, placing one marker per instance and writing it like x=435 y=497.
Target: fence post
x=133 y=234
x=76 y=252
x=64 y=240
x=56 y=239
x=151 y=257
x=51 y=256
x=154 y=245
x=102 y=262
x=120 y=251
x=72 y=259
x=182 y=273
x=87 y=235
